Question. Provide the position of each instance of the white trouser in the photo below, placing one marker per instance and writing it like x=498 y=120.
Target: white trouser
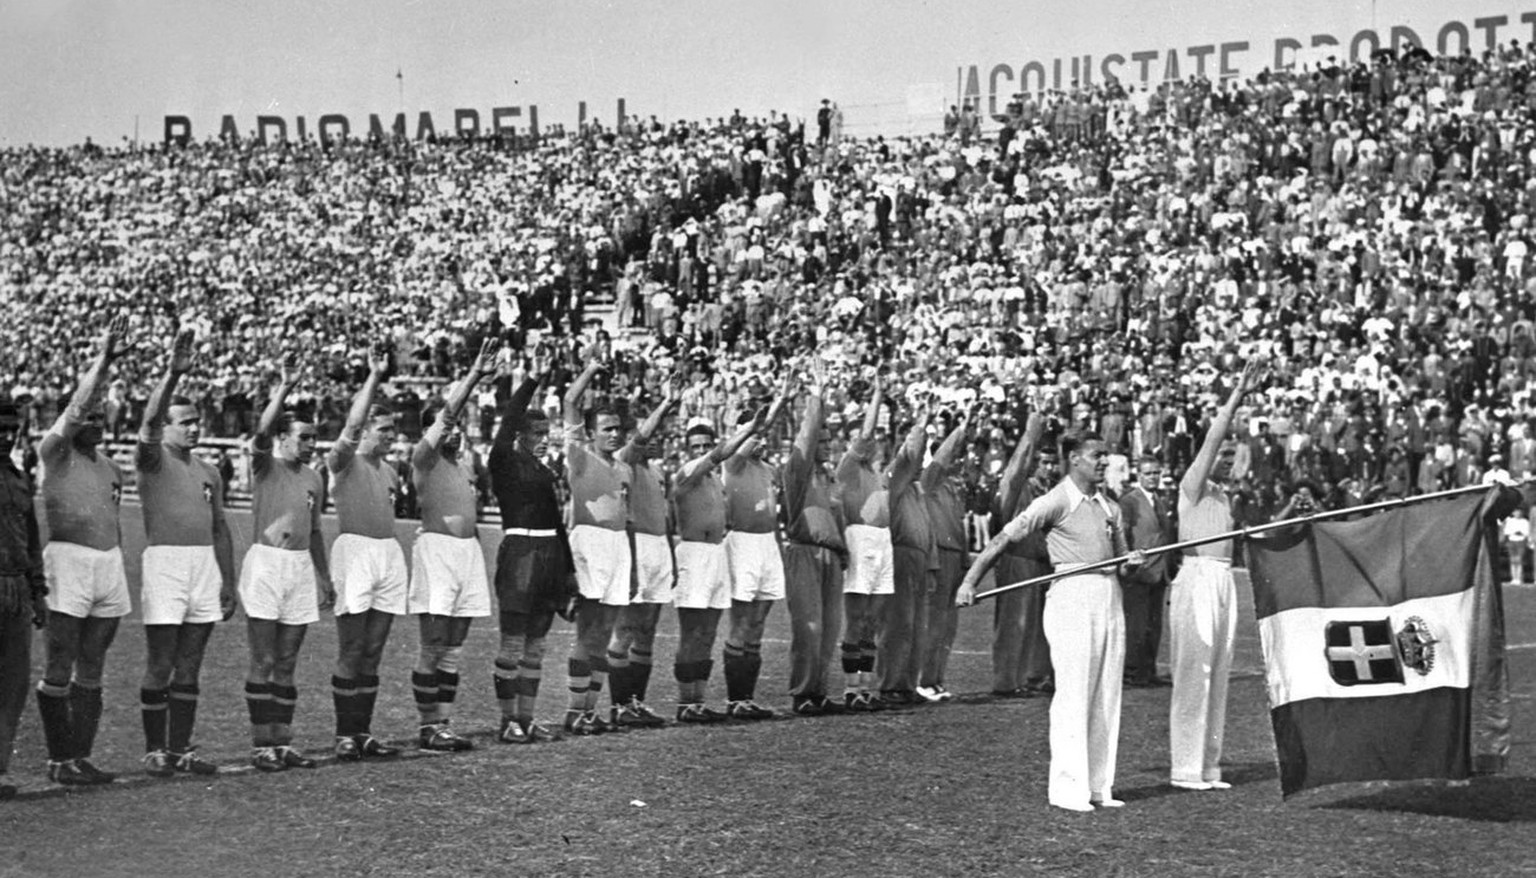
x=1202 y=623
x=1085 y=626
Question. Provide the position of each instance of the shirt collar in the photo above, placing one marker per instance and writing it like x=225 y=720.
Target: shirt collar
x=1075 y=495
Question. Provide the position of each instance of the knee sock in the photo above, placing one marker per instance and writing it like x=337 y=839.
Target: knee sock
x=620 y=686
x=344 y=694
x=579 y=672
x=851 y=661
x=284 y=700
x=736 y=686
x=84 y=715
x=182 y=714
x=754 y=667
x=367 y=696
x=530 y=672
x=424 y=688
x=153 y=704
x=447 y=691
x=53 y=707
x=599 y=677
x=508 y=682
x=693 y=681
x=867 y=651
x=639 y=672
x=258 y=700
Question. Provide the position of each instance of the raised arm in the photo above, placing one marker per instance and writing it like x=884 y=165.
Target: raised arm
x=485 y=364
x=88 y=391
x=517 y=406
x=1193 y=484
x=944 y=458
x=1016 y=473
x=872 y=414
x=727 y=449
x=671 y=397
x=266 y=426
x=346 y=445
x=148 y=454
x=578 y=388
x=909 y=458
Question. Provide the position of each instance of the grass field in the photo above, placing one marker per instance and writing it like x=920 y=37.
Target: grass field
x=956 y=789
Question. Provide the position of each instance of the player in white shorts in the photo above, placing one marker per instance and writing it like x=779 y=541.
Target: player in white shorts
x=284 y=580
x=600 y=552
x=449 y=587
x=634 y=632
x=367 y=563
x=870 y=575
x=188 y=569
x=83 y=566
x=703 y=570
x=755 y=562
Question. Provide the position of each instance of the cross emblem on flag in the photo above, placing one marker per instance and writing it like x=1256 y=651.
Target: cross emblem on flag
x=1362 y=652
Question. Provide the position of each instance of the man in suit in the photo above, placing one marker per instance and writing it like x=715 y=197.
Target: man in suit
x=1147 y=524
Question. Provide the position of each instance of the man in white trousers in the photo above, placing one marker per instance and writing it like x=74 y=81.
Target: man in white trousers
x=1084 y=622
x=1202 y=609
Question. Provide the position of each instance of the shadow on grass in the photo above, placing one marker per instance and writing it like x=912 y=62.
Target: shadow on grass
x=1490 y=800
x=1236 y=774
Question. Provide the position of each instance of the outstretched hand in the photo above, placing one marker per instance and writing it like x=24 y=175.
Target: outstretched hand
x=114 y=341
x=291 y=370
x=485 y=361
x=181 y=352
x=378 y=357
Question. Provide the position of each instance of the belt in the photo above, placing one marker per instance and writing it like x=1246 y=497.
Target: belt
x=1208 y=559
x=530 y=532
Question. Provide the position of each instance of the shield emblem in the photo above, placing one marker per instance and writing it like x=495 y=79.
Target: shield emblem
x=1361 y=653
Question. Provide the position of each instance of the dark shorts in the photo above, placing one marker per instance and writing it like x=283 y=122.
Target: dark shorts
x=533 y=574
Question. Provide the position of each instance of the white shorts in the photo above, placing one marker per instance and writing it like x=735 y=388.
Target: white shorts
x=602 y=563
x=181 y=585
x=703 y=577
x=369 y=574
x=450 y=577
x=870 y=567
x=653 y=569
x=85 y=582
x=757 y=566
x=279 y=585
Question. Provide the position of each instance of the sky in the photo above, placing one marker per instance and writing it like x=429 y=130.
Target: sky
x=71 y=69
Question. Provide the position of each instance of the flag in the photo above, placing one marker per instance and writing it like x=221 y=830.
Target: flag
x=1383 y=643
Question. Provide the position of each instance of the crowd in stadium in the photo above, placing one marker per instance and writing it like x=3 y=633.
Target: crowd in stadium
x=1110 y=261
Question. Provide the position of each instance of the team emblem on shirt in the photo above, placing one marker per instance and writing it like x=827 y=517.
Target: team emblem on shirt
x=117 y=493
x=207 y=493
x=309 y=500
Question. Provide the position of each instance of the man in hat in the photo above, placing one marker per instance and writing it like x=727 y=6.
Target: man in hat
x=367 y=562
x=23 y=590
x=83 y=562
x=188 y=569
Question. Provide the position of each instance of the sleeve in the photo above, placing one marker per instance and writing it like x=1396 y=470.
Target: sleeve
x=342 y=452
x=1044 y=511
x=146 y=454
x=513 y=412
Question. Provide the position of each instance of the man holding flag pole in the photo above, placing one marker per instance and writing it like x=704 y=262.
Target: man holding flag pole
x=1084 y=622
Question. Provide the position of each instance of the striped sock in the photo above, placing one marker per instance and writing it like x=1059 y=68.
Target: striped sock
x=424 y=688
x=344 y=697
x=258 y=701
x=182 y=716
x=579 y=672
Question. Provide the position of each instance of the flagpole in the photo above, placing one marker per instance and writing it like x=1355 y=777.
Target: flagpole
x=1241 y=532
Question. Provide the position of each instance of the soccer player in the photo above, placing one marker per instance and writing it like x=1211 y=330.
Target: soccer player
x=753 y=559
x=23 y=589
x=1021 y=657
x=1202 y=609
x=188 y=568
x=600 y=490
x=870 y=577
x=634 y=632
x=367 y=563
x=946 y=514
x=449 y=588
x=285 y=580
x=703 y=575
x=533 y=563
x=83 y=563
x=813 y=556
x=1084 y=622
x=914 y=558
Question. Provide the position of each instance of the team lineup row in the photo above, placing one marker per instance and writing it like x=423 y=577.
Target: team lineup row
x=873 y=563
